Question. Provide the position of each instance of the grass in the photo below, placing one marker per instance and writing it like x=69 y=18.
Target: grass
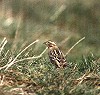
x=25 y=68
x=37 y=75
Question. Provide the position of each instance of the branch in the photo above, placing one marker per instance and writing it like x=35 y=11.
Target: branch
x=30 y=58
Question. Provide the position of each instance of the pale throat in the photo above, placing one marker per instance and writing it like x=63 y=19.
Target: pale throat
x=52 y=47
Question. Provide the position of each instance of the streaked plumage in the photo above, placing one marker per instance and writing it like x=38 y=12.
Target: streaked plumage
x=55 y=54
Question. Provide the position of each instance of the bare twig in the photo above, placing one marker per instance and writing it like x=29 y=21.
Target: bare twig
x=9 y=64
x=30 y=58
x=74 y=46
x=3 y=43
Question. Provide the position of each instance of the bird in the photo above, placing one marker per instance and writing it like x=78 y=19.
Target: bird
x=56 y=56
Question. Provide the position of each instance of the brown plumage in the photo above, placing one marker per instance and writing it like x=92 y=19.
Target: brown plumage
x=55 y=54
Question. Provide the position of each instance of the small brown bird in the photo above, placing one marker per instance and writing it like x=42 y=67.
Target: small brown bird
x=56 y=56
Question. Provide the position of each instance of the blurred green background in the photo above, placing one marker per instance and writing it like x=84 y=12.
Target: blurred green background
x=62 y=21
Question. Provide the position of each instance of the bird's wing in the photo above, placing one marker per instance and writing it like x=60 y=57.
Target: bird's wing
x=57 y=55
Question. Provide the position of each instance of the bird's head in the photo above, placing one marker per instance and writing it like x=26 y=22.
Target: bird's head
x=49 y=44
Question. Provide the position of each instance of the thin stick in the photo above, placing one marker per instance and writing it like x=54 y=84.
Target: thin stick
x=30 y=58
x=4 y=39
x=74 y=46
x=10 y=64
x=4 y=42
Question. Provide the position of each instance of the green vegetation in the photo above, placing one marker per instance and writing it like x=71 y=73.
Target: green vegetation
x=27 y=70
x=25 y=73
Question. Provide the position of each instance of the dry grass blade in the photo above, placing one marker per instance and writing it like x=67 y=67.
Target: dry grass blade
x=30 y=58
x=74 y=46
x=3 y=43
x=9 y=64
